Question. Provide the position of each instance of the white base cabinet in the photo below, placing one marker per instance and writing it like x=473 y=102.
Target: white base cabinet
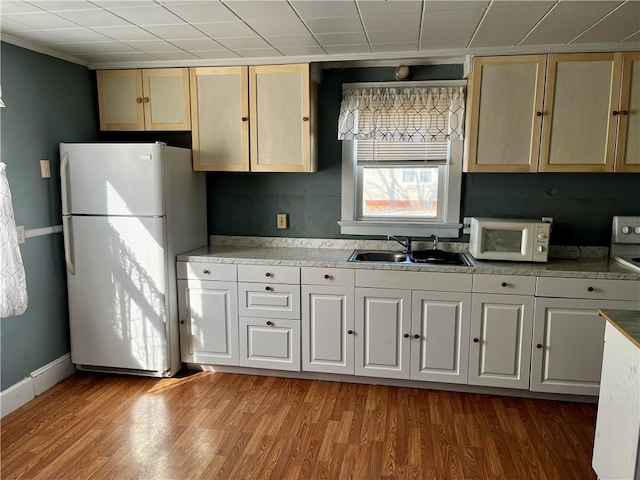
x=440 y=336
x=500 y=347
x=270 y=343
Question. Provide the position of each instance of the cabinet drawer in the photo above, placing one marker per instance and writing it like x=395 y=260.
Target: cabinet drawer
x=440 y=282
x=327 y=276
x=270 y=343
x=506 y=284
x=207 y=271
x=588 y=288
x=269 y=300
x=268 y=273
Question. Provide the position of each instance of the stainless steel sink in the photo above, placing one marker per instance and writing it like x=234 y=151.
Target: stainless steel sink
x=378 y=256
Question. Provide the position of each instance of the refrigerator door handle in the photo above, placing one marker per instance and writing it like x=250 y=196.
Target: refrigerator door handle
x=67 y=245
x=64 y=167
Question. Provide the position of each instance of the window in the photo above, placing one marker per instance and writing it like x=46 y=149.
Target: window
x=401 y=165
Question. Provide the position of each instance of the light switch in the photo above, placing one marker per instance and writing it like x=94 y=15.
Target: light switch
x=45 y=168
x=20 y=231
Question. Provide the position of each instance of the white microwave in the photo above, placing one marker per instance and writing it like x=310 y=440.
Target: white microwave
x=519 y=240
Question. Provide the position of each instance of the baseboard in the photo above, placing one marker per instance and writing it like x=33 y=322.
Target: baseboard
x=35 y=384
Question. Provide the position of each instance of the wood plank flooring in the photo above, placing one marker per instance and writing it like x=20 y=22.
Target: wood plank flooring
x=214 y=425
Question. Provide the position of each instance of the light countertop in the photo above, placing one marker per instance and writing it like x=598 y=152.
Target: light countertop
x=626 y=321
x=337 y=258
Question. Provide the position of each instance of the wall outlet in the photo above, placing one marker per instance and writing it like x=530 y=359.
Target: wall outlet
x=282 y=221
x=45 y=168
x=20 y=231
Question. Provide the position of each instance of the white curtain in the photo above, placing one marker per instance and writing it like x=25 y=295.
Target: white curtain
x=411 y=114
x=13 y=282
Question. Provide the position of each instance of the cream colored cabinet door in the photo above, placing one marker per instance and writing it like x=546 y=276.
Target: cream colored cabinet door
x=440 y=336
x=138 y=100
x=219 y=115
x=282 y=119
x=328 y=329
x=383 y=340
x=568 y=341
x=270 y=343
x=504 y=105
x=500 y=347
x=166 y=99
x=628 y=150
x=120 y=100
x=580 y=112
x=208 y=315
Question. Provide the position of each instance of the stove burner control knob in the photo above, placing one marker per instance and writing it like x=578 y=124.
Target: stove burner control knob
x=637 y=230
x=626 y=230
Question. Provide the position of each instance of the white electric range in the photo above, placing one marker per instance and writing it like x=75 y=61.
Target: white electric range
x=625 y=241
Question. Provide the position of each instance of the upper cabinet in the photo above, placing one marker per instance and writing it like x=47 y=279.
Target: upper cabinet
x=574 y=121
x=254 y=118
x=137 y=100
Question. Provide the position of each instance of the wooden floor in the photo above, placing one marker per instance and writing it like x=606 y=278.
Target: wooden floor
x=214 y=425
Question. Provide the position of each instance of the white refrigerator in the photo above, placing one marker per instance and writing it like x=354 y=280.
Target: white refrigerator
x=127 y=211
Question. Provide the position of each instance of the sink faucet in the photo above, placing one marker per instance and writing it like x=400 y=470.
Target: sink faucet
x=406 y=244
x=435 y=241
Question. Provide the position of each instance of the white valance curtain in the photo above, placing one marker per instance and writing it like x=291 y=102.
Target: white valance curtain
x=409 y=114
x=13 y=282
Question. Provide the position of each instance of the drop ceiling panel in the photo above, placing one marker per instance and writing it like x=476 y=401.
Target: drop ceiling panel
x=344 y=49
x=335 y=25
x=633 y=38
x=147 y=15
x=307 y=9
x=289 y=41
x=263 y=10
x=385 y=23
x=152 y=46
x=236 y=43
x=199 y=12
x=302 y=51
x=449 y=29
x=55 y=5
x=10 y=26
x=198 y=45
x=41 y=21
x=397 y=36
x=215 y=54
x=279 y=27
x=621 y=23
x=39 y=37
x=119 y=57
x=395 y=47
x=367 y=7
x=258 y=52
x=175 y=32
x=226 y=29
x=94 y=18
x=100 y=47
x=442 y=6
x=507 y=23
x=356 y=38
x=174 y=56
x=125 y=33
x=18 y=7
x=567 y=20
x=68 y=35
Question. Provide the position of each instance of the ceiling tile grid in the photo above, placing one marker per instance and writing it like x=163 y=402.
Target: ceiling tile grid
x=98 y=32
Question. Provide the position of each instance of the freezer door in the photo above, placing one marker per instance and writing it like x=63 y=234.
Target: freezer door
x=112 y=179
x=117 y=296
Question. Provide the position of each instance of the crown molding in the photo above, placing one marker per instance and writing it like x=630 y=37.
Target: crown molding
x=19 y=42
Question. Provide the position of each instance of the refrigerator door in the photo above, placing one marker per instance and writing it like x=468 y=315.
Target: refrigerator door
x=117 y=296
x=112 y=179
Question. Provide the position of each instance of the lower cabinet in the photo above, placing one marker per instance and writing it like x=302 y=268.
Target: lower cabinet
x=270 y=343
x=500 y=347
x=208 y=322
x=568 y=338
x=383 y=324
x=440 y=336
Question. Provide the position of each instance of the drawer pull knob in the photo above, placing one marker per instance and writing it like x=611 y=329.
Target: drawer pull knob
x=305 y=119
x=269 y=322
x=539 y=345
x=181 y=322
x=504 y=284
x=615 y=113
x=406 y=335
x=138 y=100
x=267 y=274
x=416 y=336
x=206 y=272
x=244 y=119
x=476 y=340
x=350 y=332
x=327 y=276
x=625 y=112
x=590 y=289
x=538 y=114
x=268 y=289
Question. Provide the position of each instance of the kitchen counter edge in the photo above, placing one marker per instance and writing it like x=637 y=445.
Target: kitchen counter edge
x=626 y=321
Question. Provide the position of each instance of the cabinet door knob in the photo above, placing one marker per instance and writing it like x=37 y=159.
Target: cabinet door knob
x=538 y=345
x=244 y=119
x=625 y=112
x=538 y=114
x=267 y=274
x=269 y=322
x=268 y=289
x=504 y=284
x=206 y=272
x=138 y=100
x=350 y=332
x=416 y=336
x=615 y=113
x=590 y=289
x=476 y=340
x=181 y=322
x=305 y=119
x=406 y=335
x=145 y=99
x=327 y=276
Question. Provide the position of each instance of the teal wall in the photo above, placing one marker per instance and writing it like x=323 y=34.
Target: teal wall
x=48 y=101
x=246 y=203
